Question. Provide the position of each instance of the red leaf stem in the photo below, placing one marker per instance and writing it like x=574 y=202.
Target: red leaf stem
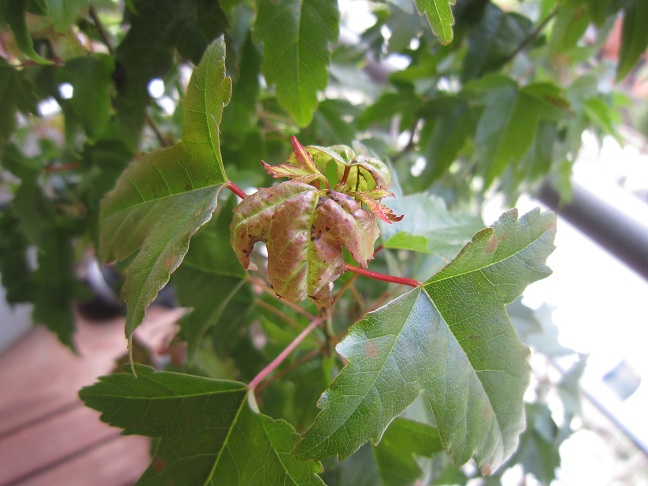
x=235 y=189
x=386 y=278
x=285 y=353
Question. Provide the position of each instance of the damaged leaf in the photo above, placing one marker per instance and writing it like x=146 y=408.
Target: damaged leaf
x=304 y=230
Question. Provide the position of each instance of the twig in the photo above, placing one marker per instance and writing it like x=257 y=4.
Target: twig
x=102 y=32
x=344 y=288
x=282 y=315
x=386 y=278
x=268 y=290
x=158 y=134
x=285 y=353
x=61 y=168
x=304 y=359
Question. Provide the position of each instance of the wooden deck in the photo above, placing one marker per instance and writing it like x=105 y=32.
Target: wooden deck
x=47 y=436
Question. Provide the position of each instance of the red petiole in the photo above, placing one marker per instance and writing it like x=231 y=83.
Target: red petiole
x=235 y=189
x=386 y=278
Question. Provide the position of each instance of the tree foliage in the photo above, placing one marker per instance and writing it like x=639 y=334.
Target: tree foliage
x=486 y=97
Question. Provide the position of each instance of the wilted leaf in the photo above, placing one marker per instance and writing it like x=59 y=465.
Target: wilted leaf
x=296 y=37
x=303 y=229
x=160 y=201
x=439 y=15
x=465 y=359
x=208 y=433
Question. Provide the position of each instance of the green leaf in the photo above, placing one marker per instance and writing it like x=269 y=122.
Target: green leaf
x=13 y=12
x=91 y=78
x=449 y=121
x=65 y=12
x=161 y=201
x=55 y=286
x=147 y=50
x=14 y=267
x=429 y=227
x=212 y=283
x=538 y=451
x=241 y=115
x=439 y=15
x=208 y=432
x=334 y=122
x=465 y=359
x=17 y=93
x=296 y=37
x=403 y=440
x=509 y=123
x=304 y=230
x=493 y=40
x=634 y=36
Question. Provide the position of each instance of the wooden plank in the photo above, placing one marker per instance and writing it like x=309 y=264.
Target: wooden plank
x=117 y=462
x=50 y=441
x=38 y=375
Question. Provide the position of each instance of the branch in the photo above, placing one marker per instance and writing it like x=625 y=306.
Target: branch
x=285 y=353
x=269 y=291
x=282 y=315
x=386 y=278
x=102 y=32
x=61 y=168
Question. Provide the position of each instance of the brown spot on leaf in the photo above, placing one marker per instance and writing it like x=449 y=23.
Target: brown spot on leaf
x=168 y=263
x=371 y=349
x=492 y=244
x=158 y=464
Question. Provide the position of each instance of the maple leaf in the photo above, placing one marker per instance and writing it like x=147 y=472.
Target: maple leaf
x=304 y=230
x=466 y=360
x=208 y=432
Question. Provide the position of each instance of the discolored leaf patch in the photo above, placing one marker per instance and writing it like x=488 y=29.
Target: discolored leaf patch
x=304 y=229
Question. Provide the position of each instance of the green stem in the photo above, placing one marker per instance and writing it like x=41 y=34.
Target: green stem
x=284 y=354
x=386 y=278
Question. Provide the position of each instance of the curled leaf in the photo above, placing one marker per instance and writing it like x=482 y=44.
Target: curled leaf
x=304 y=230
x=370 y=199
x=299 y=167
